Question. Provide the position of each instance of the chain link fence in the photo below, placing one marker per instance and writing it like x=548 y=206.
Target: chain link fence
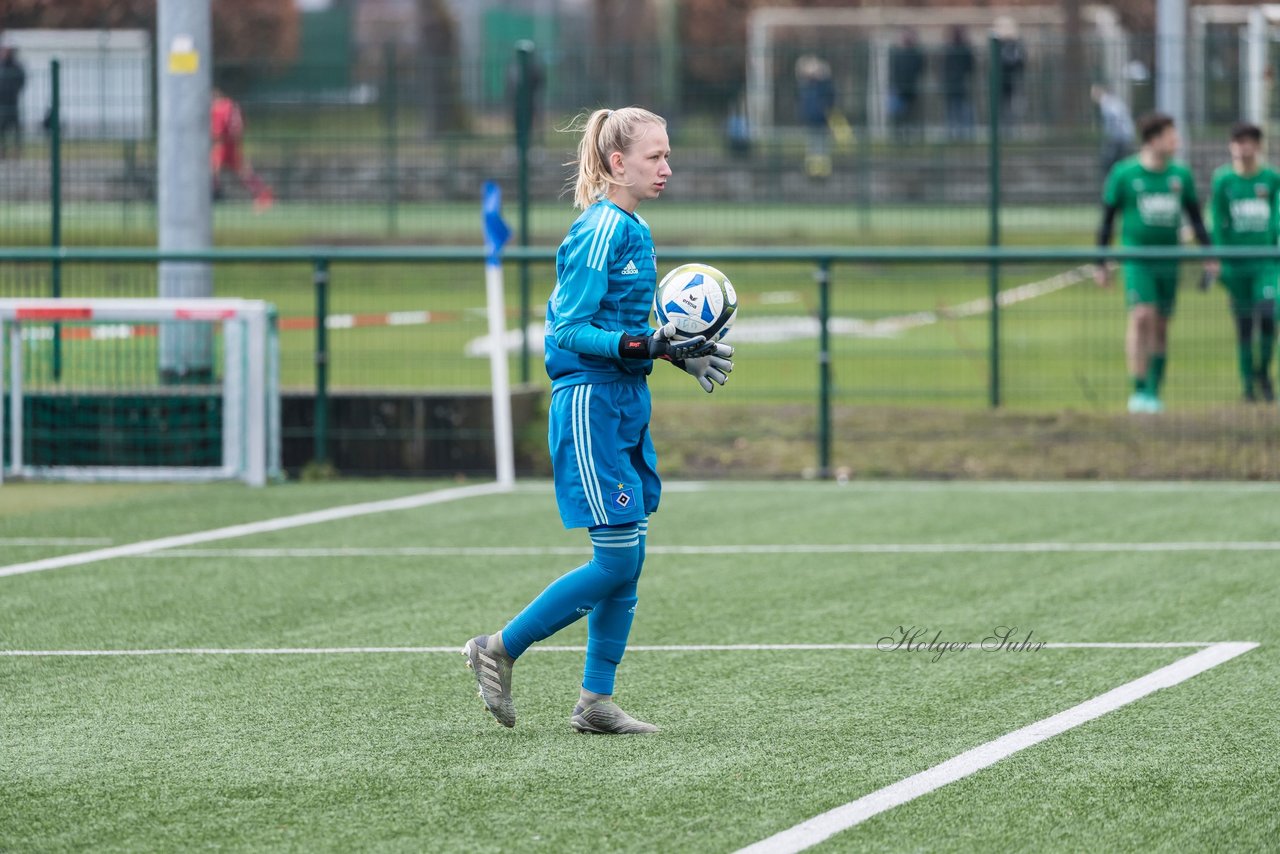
x=836 y=135
x=889 y=363
x=393 y=152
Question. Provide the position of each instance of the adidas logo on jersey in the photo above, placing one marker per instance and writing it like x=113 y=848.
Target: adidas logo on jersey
x=630 y=269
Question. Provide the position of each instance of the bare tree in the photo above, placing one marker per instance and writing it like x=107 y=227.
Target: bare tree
x=258 y=31
x=441 y=87
x=1073 y=92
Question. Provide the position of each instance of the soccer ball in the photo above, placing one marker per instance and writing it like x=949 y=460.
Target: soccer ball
x=699 y=299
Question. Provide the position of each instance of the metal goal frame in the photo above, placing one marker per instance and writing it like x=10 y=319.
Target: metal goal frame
x=250 y=384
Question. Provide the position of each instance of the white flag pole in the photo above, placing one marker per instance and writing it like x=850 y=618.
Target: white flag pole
x=496 y=234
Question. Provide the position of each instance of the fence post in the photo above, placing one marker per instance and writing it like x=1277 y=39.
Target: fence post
x=320 y=277
x=55 y=198
x=389 y=105
x=995 y=92
x=524 y=131
x=823 y=277
x=864 y=148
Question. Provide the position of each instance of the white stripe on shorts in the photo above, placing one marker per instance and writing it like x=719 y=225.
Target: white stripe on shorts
x=579 y=417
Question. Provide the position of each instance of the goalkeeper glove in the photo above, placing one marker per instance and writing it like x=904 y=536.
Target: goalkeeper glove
x=713 y=366
x=663 y=344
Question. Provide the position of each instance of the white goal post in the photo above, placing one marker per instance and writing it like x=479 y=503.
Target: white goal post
x=771 y=27
x=1255 y=30
x=106 y=393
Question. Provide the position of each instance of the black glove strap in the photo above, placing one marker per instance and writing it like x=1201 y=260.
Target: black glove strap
x=634 y=347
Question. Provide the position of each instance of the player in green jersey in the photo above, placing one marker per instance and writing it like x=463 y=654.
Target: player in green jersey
x=1151 y=191
x=1244 y=214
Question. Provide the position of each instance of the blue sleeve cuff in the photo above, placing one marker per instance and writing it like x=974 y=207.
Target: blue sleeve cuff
x=587 y=339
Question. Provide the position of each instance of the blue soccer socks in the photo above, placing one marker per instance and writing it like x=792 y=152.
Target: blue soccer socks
x=608 y=627
x=615 y=564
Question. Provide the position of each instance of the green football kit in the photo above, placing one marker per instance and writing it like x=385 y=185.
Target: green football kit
x=1150 y=206
x=1245 y=214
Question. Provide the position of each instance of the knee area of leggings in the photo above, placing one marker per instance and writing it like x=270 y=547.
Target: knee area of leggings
x=624 y=600
x=617 y=550
x=621 y=562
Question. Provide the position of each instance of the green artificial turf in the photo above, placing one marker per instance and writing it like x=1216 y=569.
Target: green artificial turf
x=392 y=751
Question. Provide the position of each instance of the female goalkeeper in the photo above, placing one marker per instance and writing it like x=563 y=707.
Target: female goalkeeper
x=599 y=352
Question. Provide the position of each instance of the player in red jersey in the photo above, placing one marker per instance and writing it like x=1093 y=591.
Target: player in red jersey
x=226 y=125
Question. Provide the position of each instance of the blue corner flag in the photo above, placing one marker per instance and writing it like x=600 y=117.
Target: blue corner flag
x=496 y=231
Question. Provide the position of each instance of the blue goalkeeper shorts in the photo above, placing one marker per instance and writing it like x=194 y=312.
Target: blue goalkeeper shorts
x=606 y=470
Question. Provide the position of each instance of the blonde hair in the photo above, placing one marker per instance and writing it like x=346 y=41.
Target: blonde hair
x=604 y=132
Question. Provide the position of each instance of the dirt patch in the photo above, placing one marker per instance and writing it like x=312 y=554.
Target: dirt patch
x=1234 y=443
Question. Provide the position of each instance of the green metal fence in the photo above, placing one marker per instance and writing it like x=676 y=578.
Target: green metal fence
x=373 y=161
x=936 y=359
x=850 y=362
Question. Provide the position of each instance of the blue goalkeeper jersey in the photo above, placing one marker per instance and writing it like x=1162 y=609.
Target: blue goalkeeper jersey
x=606 y=273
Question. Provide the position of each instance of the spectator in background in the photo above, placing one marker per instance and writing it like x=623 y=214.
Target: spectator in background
x=13 y=77
x=737 y=128
x=816 y=95
x=957 y=74
x=1013 y=61
x=226 y=124
x=906 y=64
x=1117 y=127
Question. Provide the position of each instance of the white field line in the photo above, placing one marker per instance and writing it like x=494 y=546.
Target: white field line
x=55 y=541
x=822 y=827
x=890 y=326
x=426 y=650
x=280 y=523
x=765 y=549
x=778 y=329
x=939 y=486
